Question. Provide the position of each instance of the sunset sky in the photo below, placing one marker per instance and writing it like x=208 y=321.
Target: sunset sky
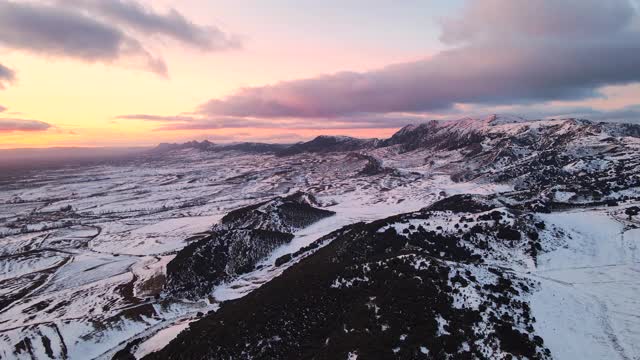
x=140 y=72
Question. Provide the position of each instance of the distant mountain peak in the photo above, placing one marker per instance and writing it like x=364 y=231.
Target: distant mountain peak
x=500 y=119
x=335 y=137
x=206 y=145
x=481 y=122
x=330 y=143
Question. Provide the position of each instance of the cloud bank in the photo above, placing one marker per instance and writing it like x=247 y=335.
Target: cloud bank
x=101 y=31
x=7 y=76
x=172 y=24
x=503 y=53
x=11 y=125
x=502 y=20
x=189 y=122
x=52 y=31
x=629 y=114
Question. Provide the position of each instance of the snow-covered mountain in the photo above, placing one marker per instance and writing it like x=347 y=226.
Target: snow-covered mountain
x=490 y=238
x=205 y=145
x=326 y=144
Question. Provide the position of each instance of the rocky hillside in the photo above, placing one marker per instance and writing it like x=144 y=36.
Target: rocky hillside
x=200 y=266
x=553 y=161
x=327 y=144
x=284 y=214
x=558 y=161
x=243 y=238
x=431 y=284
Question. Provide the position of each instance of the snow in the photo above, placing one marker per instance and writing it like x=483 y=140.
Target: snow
x=588 y=303
x=441 y=324
x=80 y=348
x=160 y=339
x=12 y=268
x=564 y=196
x=595 y=240
x=88 y=268
x=155 y=236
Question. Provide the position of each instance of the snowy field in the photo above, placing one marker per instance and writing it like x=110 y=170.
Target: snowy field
x=588 y=305
x=84 y=250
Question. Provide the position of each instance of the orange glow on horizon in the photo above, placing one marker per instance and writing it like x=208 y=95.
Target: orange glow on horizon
x=81 y=100
x=143 y=135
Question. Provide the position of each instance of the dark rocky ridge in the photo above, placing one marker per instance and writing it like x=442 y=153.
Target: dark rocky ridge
x=242 y=239
x=283 y=214
x=202 y=265
x=381 y=293
x=373 y=165
x=433 y=135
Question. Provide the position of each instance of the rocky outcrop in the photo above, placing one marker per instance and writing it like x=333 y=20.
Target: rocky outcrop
x=284 y=214
x=243 y=238
x=223 y=255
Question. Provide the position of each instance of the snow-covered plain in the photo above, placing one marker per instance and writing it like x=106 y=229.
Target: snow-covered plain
x=85 y=249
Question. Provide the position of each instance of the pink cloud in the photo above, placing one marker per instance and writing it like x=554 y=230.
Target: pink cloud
x=10 y=125
x=530 y=53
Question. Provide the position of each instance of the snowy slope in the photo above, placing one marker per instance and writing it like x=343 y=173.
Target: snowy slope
x=594 y=274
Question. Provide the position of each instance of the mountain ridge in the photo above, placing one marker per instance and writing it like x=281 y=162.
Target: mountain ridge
x=434 y=133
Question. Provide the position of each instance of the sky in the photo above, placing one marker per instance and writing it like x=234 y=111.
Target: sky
x=140 y=72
